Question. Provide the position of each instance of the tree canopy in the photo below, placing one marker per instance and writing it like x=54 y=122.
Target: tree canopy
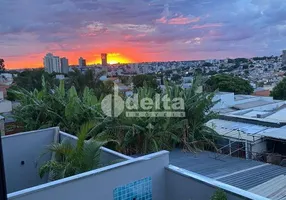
x=176 y=78
x=228 y=83
x=149 y=80
x=32 y=79
x=2 y=65
x=279 y=91
x=238 y=60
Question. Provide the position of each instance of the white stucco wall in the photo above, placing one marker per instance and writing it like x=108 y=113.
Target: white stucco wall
x=5 y=106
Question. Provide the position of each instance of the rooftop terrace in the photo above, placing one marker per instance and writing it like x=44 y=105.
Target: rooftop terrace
x=185 y=176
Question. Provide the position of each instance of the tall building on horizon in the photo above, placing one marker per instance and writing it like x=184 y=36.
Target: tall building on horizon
x=284 y=57
x=64 y=65
x=52 y=63
x=104 y=59
x=81 y=62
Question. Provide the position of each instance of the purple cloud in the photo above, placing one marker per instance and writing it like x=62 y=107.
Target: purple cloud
x=173 y=27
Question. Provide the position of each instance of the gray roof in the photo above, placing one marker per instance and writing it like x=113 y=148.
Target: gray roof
x=254 y=177
x=242 y=97
x=253 y=104
x=264 y=190
x=225 y=110
x=241 y=173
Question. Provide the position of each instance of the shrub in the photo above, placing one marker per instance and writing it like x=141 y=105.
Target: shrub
x=219 y=195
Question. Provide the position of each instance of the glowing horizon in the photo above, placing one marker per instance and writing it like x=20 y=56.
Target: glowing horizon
x=113 y=58
x=146 y=31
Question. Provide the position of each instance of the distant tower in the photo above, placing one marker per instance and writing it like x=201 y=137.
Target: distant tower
x=81 y=62
x=104 y=59
x=284 y=57
x=52 y=63
x=64 y=65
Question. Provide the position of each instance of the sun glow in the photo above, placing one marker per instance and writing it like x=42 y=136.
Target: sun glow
x=113 y=62
x=114 y=58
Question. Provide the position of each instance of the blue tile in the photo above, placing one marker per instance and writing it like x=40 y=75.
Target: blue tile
x=137 y=190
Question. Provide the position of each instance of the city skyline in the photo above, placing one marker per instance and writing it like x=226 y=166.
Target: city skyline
x=138 y=31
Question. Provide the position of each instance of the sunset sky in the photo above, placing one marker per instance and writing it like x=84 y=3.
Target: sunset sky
x=139 y=30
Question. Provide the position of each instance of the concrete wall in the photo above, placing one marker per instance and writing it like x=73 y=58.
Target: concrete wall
x=184 y=185
x=100 y=183
x=21 y=158
x=259 y=147
x=226 y=100
x=69 y=137
x=107 y=156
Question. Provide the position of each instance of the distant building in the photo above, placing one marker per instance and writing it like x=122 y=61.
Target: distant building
x=145 y=69
x=3 y=88
x=52 y=63
x=81 y=62
x=60 y=76
x=261 y=92
x=64 y=65
x=6 y=79
x=104 y=59
x=188 y=79
x=5 y=105
x=284 y=57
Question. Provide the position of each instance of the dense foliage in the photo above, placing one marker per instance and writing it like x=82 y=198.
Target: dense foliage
x=69 y=110
x=176 y=78
x=228 y=83
x=139 y=81
x=56 y=107
x=279 y=91
x=125 y=79
x=32 y=79
x=89 y=79
x=238 y=60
